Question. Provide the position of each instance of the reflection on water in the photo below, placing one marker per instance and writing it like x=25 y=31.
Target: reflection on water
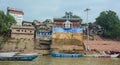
x=43 y=60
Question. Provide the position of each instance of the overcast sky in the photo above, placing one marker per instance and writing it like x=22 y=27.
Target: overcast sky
x=48 y=9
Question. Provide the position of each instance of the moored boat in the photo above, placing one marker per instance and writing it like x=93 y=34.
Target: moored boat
x=108 y=56
x=28 y=54
x=114 y=55
x=65 y=55
x=7 y=54
x=19 y=58
x=103 y=56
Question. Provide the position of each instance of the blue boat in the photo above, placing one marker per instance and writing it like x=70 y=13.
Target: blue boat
x=65 y=55
x=19 y=58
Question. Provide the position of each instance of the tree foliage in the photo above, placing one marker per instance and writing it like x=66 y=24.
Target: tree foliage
x=6 y=20
x=110 y=22
x=71 y=15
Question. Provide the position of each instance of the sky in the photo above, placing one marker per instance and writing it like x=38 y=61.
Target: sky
x=49 y=9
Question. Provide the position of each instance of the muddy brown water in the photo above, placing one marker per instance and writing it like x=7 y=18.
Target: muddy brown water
x=48 y=60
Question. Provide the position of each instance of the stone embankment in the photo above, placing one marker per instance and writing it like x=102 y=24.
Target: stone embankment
x=101 y=44
x=21 y=45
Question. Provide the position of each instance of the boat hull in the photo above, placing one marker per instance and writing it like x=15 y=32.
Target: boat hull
x=18 y=58
x=7 y=54
x=29 y=54
x=103 y=56
x=65 y=55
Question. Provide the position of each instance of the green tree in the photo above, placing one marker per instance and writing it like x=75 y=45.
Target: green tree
x=6 y=21
x=10 y=20
x=110 y=22
x=71 y=15
x=3 y=26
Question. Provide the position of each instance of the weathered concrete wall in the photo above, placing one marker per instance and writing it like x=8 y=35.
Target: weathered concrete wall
x=19 y=45
x=19 y=32
x=22 y=45
x=67 y=38
x=23 y=36
x=67 y=47
x=67 y=41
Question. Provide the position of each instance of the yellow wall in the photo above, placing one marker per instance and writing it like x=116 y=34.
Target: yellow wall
x=67 y=41
x=66 y=38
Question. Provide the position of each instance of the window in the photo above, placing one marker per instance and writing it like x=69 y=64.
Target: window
x=25 y=30
x=18 y=30
x=67 y=24
x=30 y=31
x=42 y=33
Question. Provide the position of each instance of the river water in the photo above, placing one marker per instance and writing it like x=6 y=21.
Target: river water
x=47 y=60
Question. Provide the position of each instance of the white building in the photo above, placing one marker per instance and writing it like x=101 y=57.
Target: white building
x=17 y=14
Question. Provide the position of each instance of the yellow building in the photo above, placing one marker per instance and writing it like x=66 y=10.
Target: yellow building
x=67 y=36
x=22 y=32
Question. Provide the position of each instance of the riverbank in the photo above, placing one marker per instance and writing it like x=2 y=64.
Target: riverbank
x=98 y=45
x=20 y=45
x=102 y=44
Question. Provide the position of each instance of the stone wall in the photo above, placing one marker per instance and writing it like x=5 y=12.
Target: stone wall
x=26 y=32
x=19 y=45
x=67 y=38
x=22 y=45
x=22 y=36
x=67 y=41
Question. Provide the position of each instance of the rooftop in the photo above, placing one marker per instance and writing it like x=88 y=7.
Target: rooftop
x=13 y=10
x=21 y=27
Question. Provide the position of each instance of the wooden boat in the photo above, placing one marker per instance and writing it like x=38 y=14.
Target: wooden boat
x=28 y=54
x=65 y=55
x=7 y=54
x=115 y=52
x=103 y=56
x=108 y=56
x=19 y=58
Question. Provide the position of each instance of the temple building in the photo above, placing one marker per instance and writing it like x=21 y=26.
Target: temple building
x=67 y=35
x=73 y=25
x=17 y=14
x=44 y=30
x=43 y=34
x=22 y=32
